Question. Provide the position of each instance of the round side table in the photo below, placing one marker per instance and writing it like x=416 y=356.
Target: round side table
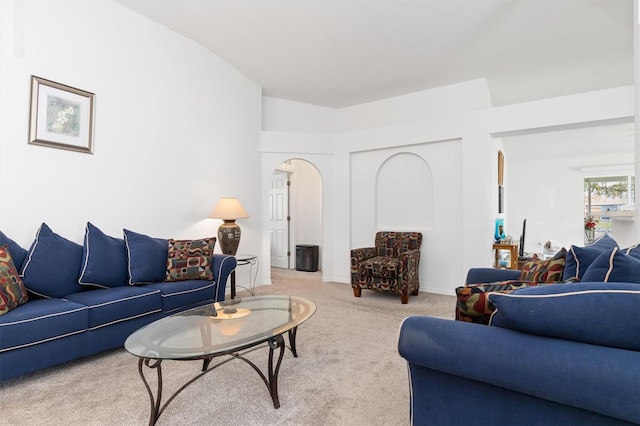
x=243 y=260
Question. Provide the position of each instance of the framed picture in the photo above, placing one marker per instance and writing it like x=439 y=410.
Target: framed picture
x=61 y=116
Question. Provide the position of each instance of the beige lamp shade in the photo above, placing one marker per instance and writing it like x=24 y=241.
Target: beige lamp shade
x=228 y=208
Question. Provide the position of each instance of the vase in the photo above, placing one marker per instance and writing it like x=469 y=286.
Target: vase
x=591 y=233
x=496 y=234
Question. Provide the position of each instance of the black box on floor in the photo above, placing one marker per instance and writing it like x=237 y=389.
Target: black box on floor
x=307 y=257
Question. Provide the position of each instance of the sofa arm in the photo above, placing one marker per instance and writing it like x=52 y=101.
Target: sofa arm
x=360 y=254
x=594 y=378
x=222 y=266
x=490 y=275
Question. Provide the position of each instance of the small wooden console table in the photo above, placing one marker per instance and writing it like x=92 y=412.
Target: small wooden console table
x=513 y=255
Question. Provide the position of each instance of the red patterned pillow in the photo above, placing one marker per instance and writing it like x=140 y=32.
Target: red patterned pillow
x=544 y=271
x=473 y=305
x=190 y=259
x=12 y=289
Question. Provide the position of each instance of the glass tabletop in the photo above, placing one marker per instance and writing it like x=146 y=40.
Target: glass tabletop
x=219 y=327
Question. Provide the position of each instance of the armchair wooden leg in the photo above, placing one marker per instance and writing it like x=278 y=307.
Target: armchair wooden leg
x=404 y=297
x=415 y=292
x=357 y=291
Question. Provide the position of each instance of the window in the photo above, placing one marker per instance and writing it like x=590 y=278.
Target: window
x=603 y=195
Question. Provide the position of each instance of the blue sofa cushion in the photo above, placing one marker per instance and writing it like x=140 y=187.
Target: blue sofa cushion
x=588 y=312
x=579 y=258
x=109 y=306
x=181 y=294
x=633 y=251
x=18 y=254
x=104 y=260
x=614 y=266
x=52 y=265
x=42 y=320
x=146 y=258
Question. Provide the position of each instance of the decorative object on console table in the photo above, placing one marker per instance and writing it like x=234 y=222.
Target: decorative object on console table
x=590 y=228
x=229 y=209
x=499 y=231
x=61 y=116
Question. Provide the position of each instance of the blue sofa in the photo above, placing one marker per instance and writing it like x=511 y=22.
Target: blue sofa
x=84 y=299
x=565 y=353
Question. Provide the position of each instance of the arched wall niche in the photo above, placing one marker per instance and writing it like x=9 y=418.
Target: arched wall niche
x=404 y=193
x=412 y=188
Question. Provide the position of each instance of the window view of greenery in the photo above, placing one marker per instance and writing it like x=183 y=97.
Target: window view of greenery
x=605 y=197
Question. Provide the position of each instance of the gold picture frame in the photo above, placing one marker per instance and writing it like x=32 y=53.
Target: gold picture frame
x=61 y=116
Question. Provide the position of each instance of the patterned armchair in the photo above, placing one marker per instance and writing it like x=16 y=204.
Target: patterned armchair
x=392 y=265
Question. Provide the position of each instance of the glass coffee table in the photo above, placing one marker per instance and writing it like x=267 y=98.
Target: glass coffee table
x=228 y=329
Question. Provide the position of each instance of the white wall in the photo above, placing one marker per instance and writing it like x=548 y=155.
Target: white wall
x=465 y=241
x=634 y=229
x=280 y=115
x=175 y=127
x=546 y=177
x=470 y=160
x=432 y=190
x=283 y=115
x=403 y=193
x=415 y=107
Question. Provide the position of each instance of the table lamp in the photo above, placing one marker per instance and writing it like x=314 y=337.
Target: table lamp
x=229 y=209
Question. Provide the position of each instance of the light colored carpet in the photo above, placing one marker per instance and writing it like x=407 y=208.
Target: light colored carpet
x=348 y=372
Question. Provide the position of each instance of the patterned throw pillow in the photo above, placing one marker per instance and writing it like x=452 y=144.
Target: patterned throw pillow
x=18 y=254
x=473 y=305
x=190 y=259
x=544 y=271
x=12 y=290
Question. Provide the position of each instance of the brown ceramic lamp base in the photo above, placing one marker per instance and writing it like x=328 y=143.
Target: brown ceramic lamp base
x=229 y=237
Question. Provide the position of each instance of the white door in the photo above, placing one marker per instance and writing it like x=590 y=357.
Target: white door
x=278 y=220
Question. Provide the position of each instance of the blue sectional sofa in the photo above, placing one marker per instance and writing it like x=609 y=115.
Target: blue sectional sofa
x=564 y=353
x=84 y=299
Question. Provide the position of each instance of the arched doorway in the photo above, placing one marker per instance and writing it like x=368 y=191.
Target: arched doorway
x=295 y=211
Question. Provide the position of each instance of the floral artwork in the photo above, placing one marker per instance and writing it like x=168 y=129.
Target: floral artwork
x=61 y=116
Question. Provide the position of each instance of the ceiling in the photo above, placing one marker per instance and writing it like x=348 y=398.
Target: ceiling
x=338 y=53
